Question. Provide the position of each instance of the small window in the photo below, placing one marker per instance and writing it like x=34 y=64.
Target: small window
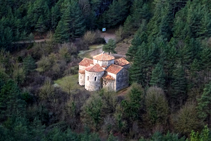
x=95 y=78
x=87 y=77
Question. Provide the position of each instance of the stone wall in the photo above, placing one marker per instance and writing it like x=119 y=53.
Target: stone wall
x=103 y=63
x=122 y=79
x=114 y=83
x=81 y=79
x=109 y=85
x=81 y=67
x=126 y=66
x=93 y=80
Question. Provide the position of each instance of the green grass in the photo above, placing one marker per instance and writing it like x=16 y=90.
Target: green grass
x=68 y=83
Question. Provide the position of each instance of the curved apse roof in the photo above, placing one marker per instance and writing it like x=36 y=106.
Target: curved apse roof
x=86 y=62
x=95 y=68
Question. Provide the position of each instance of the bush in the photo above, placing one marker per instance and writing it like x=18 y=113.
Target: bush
x=186 y=119
x=92 y=111
x=65 y=53
x=18 y=74
x=156 y=106
x=91 y=36
x=46 y=90
x=100 y=41
x=119 y=34
x=43 y=64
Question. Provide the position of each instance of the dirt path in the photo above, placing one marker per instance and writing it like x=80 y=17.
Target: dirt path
x=108 y=36
x=33 y=41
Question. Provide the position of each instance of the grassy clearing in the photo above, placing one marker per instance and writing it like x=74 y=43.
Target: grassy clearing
x=68 y=83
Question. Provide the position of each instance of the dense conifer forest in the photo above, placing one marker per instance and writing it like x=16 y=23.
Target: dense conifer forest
x=169 y=97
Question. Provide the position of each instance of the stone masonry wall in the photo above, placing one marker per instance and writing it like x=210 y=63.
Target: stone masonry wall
x=81 y=67
x=114 y=83
x=122 y=79
x=109 y=85
x=103 y=63
x=81 y=79
x=93 y=80
x=126 y=66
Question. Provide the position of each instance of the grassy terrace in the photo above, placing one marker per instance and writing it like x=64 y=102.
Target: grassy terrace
x=68 y=83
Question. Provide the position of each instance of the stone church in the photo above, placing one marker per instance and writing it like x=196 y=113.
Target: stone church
x=104 y=71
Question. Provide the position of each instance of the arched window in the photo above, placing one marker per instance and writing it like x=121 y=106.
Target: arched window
x=95 y=78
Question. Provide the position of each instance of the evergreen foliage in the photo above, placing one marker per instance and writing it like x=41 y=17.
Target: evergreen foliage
x=170 y=50
x=110 y=46
x=204 y=104
x=132 y=106
x=156 y=106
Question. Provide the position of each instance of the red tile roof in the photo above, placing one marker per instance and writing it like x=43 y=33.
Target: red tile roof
x=108 y=77
x=103 y=57
x=121 y=62
x=114 y=69
x=86 y=62
x=95 y=68
x=81 y=71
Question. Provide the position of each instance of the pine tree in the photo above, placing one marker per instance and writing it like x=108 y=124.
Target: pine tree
x=78 y=22
x=28 y=64
x=178 y=94
x=158 y=76
x=61 y=34
x=55 y=16
x=40 y=26
x=156 y=106
x=116 y=13
x=204 y=104
x=110 y=46
x=73 y=20
x=132 y=106
x=139 y=37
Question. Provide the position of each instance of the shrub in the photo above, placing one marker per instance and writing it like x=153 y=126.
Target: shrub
x=92 y=111
x=186 y=119
x=109 y=100
x=204 y=135
x=109 y=124
x=91 y=36
x=119 y=34
x=156 y=106
x=44 y=64
x=65 y=53
x=18 y=74
x=46 y=90
x=37 y=51
x=100 y=41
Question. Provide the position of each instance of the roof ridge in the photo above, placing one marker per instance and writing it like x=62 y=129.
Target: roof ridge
x=94 y=68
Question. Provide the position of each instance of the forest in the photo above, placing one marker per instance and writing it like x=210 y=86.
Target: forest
x=169 y=97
